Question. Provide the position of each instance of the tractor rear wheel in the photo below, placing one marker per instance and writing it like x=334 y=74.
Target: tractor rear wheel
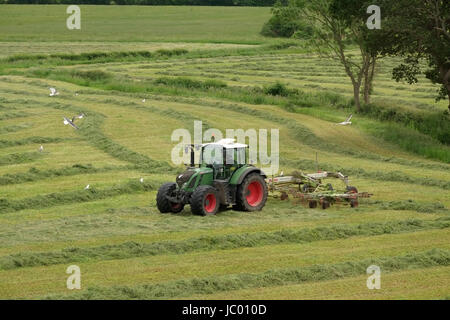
x=252 y=193
x=164 y=205
x=205 y=201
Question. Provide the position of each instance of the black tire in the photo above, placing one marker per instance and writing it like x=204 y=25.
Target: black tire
x=205 y=201
x=164 y=205
x=252 y=193
x=313 y=204
x=325 y=204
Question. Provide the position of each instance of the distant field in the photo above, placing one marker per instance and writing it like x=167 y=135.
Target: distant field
x=125 y=248
x=134 y=24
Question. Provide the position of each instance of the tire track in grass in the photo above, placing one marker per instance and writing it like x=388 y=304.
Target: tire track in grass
x=273 y=277
x=208 y=243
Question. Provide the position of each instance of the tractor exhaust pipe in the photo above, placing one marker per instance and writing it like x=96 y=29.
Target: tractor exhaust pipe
x=192 y=157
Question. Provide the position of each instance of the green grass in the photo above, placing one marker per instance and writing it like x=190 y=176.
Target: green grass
x=135 y=24
x=208 y=64
x=316 y=273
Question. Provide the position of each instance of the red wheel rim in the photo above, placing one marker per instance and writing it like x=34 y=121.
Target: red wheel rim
x=255 y=193
x=176 y=206
x=210 y=203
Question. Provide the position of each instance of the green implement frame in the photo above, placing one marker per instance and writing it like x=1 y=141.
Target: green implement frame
x=313 y=189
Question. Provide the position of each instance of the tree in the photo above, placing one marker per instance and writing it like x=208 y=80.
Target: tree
x=418 y=29
x=285 y=22
x=338 y=25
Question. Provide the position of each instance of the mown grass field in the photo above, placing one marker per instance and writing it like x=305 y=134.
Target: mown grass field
x=113 y=231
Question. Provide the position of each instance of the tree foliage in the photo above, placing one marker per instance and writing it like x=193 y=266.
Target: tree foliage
x=286 y=21
x=336 y=27
x=253 y=3
x=417 y=29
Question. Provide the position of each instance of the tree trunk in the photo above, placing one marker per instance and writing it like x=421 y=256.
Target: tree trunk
x=356 y=89
x=446 y=82
x=448 y=95
x=369 y=73
x=367 y=92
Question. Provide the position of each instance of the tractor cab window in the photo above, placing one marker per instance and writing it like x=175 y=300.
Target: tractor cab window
x=230 y=157
x=240 y=156
x=212 y=155
x=235 y=157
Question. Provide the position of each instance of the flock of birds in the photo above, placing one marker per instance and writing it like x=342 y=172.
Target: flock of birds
x=71 y=122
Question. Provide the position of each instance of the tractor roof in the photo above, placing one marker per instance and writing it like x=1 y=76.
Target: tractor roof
x=227 y=144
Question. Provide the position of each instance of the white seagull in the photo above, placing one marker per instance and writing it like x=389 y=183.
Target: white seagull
x=80 y=116
x=87 y=187
x=71 y=122
x=53 y=92
x=41 y=148
x=142 y=180
x=346 y=122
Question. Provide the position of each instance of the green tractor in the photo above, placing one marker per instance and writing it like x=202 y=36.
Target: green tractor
x=222 y=179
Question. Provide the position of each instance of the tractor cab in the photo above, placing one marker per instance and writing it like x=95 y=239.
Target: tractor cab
x=224 y=157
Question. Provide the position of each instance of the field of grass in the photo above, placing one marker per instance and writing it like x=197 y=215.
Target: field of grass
x=207 y=64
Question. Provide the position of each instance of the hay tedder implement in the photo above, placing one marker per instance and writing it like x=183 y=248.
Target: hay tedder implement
x=313 y=189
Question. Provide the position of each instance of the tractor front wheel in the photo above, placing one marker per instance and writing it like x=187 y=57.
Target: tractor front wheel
x=164 y=205
x=205 y=201
x=252 y=193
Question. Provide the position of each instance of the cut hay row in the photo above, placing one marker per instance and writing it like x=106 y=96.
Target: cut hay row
x=93 y=135
x=34 y=174
x=54 y=199
x=16 y=158
x=277 y=277
x=30 y=140
x=14 y=128
x=210 y=243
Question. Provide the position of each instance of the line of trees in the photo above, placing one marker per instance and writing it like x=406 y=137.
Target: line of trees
x=249 y=3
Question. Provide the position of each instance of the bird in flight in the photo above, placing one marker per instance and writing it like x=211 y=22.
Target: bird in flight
x=68 y=121
x=87 y=187
x=71 y=121
x=346 y=122
x=53 y=92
